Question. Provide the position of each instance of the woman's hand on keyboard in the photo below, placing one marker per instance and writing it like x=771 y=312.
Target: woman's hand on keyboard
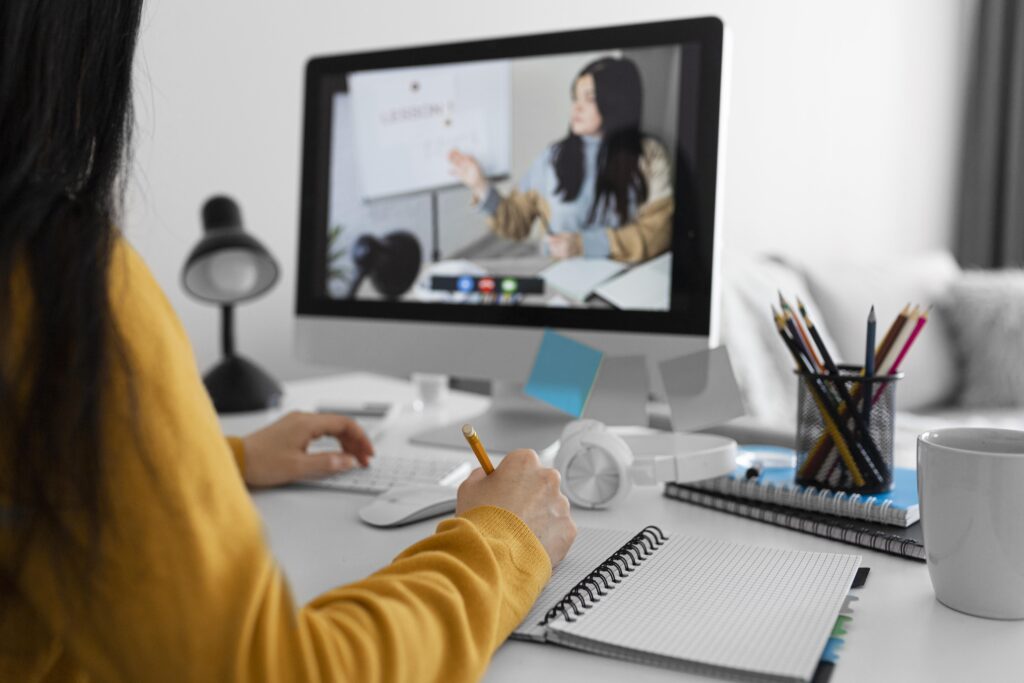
x=523 y=487
x=277 y=454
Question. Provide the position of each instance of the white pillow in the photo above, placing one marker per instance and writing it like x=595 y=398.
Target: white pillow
x=847 y=289
x=763 y=366
x=985 y=310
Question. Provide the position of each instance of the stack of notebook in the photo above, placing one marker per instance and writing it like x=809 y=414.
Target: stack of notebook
x=885 y=522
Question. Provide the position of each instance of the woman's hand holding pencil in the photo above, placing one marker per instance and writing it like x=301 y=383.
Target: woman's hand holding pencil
x=529 y=491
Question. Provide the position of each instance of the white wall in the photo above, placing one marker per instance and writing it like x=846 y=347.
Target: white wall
x=843 y=136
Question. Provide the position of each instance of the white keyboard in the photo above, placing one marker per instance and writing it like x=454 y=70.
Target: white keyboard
x=386 y=471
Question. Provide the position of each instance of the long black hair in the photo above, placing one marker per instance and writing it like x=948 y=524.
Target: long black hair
x=65 y=128
x=619 y=93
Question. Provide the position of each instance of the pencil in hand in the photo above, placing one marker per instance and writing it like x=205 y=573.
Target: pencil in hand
x=478 y=448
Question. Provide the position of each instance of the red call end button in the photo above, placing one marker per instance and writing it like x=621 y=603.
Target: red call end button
x=486 y=285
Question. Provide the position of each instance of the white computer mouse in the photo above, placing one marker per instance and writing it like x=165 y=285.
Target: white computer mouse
x=407 y=504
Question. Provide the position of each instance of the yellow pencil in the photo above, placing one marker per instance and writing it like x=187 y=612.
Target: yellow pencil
x=830 y=425
x=478 y=448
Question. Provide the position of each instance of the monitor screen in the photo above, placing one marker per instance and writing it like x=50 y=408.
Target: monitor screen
x=554 y=180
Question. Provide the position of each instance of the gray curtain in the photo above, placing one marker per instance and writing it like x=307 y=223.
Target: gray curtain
x=991 y=222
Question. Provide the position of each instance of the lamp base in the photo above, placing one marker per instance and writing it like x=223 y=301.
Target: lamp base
x=237 y=385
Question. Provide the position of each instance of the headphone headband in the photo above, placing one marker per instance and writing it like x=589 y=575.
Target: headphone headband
x=598 y=466
x=680 y=457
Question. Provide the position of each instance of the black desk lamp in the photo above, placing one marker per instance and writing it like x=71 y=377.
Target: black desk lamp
x=229 y=266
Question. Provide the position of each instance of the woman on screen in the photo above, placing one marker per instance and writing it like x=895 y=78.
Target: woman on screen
x=603 y=191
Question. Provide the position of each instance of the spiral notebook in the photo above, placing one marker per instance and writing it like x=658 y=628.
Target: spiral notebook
x=775 y=485
x=905 y=542
x=694 y=604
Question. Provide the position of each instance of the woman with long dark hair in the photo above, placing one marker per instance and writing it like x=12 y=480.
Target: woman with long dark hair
x=129 y=547
x=604 y=190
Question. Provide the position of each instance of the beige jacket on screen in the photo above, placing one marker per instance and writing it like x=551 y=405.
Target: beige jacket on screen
x=646 y=236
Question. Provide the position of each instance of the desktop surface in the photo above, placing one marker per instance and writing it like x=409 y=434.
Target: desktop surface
x=899 y=631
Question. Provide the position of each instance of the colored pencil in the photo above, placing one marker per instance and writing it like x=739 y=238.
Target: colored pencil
x=897 y=337
x=890 y=336
x=800 y=328
x=790 y=324
x=819 y=398
x=869 y=367
x=824 y=444
x=818 y=341
x=844 y=442
x=840 y=385
x=824 y=447
x=811 y=463
x=918 y=325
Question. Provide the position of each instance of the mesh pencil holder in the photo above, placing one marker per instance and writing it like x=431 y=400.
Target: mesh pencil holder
x=840 y=448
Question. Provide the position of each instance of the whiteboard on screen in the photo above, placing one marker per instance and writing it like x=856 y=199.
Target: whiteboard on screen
x=407 y=120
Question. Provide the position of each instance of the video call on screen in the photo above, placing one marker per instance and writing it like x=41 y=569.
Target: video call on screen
x=541 y=181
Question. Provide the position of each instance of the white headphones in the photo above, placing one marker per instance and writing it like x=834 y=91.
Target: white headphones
x=598 y=467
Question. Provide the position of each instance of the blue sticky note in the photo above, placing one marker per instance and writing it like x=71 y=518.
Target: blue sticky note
x=563 y=373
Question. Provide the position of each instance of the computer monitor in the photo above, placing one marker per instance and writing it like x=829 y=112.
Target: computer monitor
x=459 y=199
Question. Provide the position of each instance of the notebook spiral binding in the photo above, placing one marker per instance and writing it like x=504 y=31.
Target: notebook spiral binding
x=838 y=503
x=607 y=575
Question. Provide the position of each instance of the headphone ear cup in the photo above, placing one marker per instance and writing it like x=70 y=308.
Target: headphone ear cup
x=569 y=442
x=595 y=468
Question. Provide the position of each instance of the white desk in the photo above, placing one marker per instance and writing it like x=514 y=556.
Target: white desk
x=899 y=631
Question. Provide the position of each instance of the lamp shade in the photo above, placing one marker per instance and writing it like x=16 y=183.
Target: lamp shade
x=228 y=265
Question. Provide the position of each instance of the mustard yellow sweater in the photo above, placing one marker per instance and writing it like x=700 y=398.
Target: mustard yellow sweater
x=187 y=589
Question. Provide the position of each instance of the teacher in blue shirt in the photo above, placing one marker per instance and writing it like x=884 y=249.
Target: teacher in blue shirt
x=603 y=191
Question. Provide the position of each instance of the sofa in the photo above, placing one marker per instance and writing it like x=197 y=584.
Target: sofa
x=966 y=368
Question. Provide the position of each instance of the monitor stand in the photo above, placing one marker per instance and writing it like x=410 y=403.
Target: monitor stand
x=513 y=421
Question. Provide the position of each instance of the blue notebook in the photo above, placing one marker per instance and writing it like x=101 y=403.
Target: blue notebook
x=775 y=485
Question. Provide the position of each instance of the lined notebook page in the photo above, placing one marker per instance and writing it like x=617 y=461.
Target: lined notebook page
x=591 y=548
x=714 y=604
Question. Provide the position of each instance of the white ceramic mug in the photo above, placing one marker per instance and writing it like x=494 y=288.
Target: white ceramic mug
x=971 y=484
